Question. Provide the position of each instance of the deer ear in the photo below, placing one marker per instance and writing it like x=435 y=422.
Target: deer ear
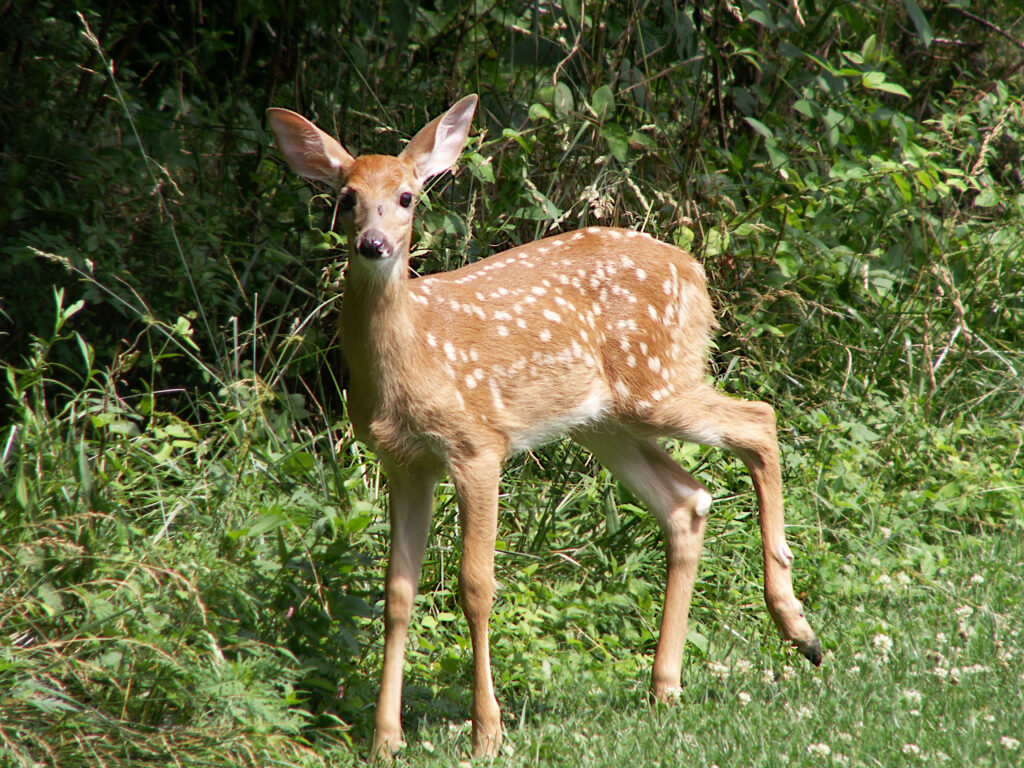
x=309 y=151
x=438 y=145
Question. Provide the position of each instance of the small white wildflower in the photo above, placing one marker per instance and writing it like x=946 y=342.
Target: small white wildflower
x=977 y=579
x=912 y=697
x=989 y=718
x=886 y=532
x=718 y=670
x=744 y=698
x=742 y=666
x=854 y=670
x=955 y=674
x=941 y=672
x=767 y=676
x=1009 y=742
x=673 y=695
x=911 y=749
x=940 y=637
x=859 y=656
x=840 y=759
x=844 y=736
x=902 y=578
x=429 y=747
x=884 y=579
x=940 y=756
x=882 y=643
x=964 y=611
x=788 y=673
x=803 y=713
x=819 y=750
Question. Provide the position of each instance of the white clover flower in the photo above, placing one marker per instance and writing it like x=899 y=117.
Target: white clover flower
x=1009 y=742
x=743 y=697
x=912 y=697
x=742 y=666
x=940 y=637
x=911 y=749
x=718 y=670
x=964 y=611
x=819 y=750
x=882 y=643
x=977 y=579
x=884 y=579
x=803 y=713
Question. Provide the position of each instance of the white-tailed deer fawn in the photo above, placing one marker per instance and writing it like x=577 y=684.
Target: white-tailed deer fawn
x=599 y=334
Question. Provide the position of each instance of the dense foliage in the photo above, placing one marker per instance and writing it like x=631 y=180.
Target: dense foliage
x=191 y=543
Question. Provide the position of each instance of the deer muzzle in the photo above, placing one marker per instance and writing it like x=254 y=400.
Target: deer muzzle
x=374 y=244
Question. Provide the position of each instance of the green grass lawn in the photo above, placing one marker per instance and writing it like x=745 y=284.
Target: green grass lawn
x=917 y=670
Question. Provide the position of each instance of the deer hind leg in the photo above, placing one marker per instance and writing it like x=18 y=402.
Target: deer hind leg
x=476 y=482
x=747 y=428
x=411 y=495
x=681 y=504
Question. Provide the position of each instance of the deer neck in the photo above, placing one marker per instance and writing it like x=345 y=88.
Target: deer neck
x=378 y=336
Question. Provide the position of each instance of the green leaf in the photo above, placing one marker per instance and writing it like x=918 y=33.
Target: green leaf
x=924 y=29
x=602 y=101
x=618 y=140
x=540 y=112
x=895 y=88
x=760 y=127
x=563 y=100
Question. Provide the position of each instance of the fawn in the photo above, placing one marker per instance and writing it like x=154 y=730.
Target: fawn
x=599 y=334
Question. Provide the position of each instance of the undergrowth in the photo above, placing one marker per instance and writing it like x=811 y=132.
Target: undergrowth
x=191 y=543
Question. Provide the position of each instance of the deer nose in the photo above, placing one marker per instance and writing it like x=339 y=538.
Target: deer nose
x=373 y=244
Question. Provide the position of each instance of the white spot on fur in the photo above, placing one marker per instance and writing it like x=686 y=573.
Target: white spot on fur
x=554 y=317
x=431 y=340
x=449 y=351
x=785 y=555
x=545 y=335
x=702 y=504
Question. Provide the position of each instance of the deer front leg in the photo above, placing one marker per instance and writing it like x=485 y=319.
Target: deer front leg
x=476 y=482
x=411 y=493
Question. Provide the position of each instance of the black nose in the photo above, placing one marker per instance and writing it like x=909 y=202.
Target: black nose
x=373 y=245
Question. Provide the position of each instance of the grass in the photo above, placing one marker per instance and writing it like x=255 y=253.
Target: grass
x=918 y=670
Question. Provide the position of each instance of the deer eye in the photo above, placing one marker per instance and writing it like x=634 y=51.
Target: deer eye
x=347 y=201
x=405 y=199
